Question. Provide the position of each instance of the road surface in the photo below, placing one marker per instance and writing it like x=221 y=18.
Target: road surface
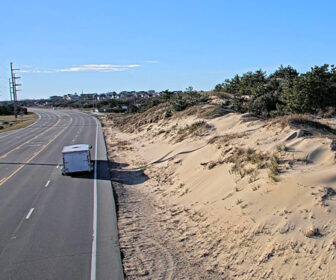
x=54 y=226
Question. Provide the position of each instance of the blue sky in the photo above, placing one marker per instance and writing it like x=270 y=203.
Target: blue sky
x=98 y=46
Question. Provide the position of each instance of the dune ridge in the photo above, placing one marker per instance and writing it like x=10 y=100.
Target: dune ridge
x=233 y=196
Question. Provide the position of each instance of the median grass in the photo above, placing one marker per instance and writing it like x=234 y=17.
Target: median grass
x=9 y=123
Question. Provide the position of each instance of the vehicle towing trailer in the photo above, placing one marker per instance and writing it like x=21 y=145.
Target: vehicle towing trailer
x=76 y=158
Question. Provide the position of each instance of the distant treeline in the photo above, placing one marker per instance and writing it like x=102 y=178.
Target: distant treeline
x=283 y=92
x=8 y=109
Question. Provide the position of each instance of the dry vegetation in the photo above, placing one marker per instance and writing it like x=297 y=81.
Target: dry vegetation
x=307 y=123
x=221 y=140
x=196 y=129
x=9 y=122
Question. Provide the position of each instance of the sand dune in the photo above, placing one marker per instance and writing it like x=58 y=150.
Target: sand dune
x=233 y=197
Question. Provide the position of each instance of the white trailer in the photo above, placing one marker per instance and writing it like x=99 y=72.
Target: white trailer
x=76 y=158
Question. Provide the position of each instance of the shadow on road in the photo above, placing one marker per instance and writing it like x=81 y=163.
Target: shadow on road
x=114 y=171
x=29 y=163
x=102 y=172
x=106 y=171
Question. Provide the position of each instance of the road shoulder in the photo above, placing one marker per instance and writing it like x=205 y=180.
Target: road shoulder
x=108 y=251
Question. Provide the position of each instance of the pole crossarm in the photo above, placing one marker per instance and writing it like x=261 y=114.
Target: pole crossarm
x=13 y=87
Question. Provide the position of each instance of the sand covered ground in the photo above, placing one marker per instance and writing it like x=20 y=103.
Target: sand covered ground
x=231 y=197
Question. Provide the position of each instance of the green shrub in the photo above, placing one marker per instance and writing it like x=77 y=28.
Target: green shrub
x=8 y=109
x=168 y=114
x=180 y=102
x=282 y=92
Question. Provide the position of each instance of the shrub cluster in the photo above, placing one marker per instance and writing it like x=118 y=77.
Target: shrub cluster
x=283 y=92
x=183 y=101
x=8 y=109
x=176 y=101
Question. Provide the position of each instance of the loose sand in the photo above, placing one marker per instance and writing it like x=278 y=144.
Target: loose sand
x=228 y=198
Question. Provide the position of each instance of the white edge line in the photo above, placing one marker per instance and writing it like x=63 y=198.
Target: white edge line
x=94 y=222
x=47 y=184
x=29 y=213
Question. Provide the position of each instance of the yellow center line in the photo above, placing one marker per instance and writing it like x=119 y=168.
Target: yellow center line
x=4 y=180
x=18 y=147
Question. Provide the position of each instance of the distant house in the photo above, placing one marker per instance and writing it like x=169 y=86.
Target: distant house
x=102 y=96
x=55 y=98
x=71 y=97
x=75 y=97
x=127 y=94
x=88 y=96
x=112 y=95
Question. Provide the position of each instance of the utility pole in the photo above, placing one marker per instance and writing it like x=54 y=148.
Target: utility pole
x=14 y=88
x=95 y=101
x=10 y=90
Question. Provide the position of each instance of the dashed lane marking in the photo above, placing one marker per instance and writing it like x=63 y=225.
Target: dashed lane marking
x=4 y=180
x=29 y=213
x=18 y=147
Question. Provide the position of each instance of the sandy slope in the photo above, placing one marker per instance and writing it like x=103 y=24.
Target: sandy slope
x=210 y=208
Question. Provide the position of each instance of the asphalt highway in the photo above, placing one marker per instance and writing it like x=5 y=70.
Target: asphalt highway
x=54 y=226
